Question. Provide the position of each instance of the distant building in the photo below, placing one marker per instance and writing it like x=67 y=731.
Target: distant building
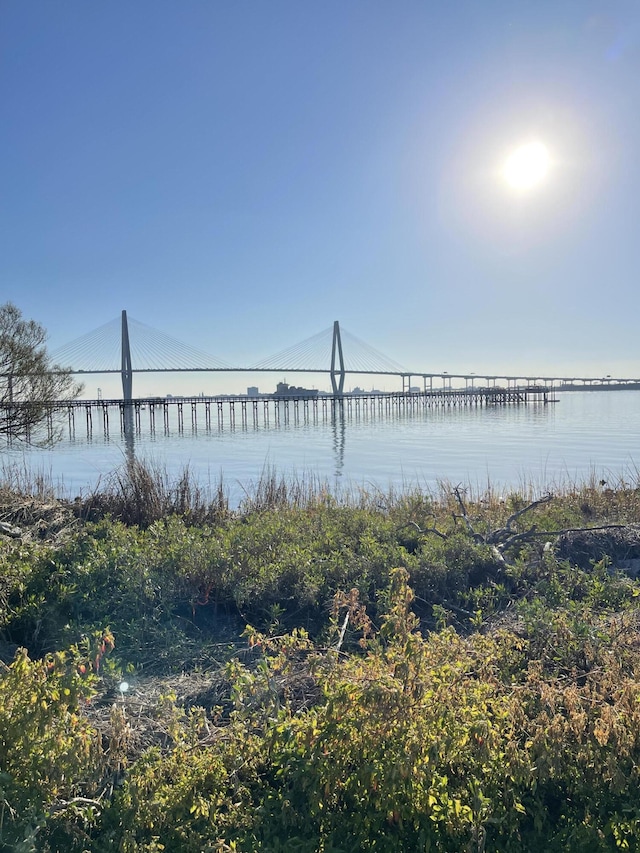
x=252 y=391
x=285 y=390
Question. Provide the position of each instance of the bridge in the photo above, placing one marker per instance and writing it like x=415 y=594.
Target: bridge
x=127 y=347
x=140 y=349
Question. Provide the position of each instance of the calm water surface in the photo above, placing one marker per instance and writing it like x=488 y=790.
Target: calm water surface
x=584 y=434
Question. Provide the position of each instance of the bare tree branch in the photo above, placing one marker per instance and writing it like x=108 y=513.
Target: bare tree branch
x=504 y=538
x=516 y=515
x=477 y=537
x=29 y=382
x=422 y=530
x=528 y=535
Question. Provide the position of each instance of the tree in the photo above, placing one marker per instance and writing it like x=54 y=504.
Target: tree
x=29 y=382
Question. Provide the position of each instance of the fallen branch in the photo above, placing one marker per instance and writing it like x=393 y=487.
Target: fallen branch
x=61 y=805
x=477 y=537
x=507 y=530
x=343 y=631
x=422 y=530
x=9 y=530
x=504 y=538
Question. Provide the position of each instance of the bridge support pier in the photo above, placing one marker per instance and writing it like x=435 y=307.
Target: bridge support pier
x=337 y=376
x=126 y=371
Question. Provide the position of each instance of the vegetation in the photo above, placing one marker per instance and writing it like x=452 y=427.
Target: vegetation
x=29 y=382
x=375 y=673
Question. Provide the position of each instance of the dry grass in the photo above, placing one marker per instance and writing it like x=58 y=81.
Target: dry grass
x=150 y=709
x=19 y=480
x=140 y=493
x=273 y=492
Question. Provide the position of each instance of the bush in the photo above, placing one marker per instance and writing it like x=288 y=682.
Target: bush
x=49 y=753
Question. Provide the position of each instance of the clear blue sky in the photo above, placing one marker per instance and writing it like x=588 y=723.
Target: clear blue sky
x=240 y=174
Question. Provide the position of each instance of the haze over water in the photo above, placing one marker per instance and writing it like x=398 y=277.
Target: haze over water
x=585 y=434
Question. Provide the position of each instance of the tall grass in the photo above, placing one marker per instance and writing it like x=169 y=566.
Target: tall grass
x=274 y=491
x=142 y=492
x=19 y=480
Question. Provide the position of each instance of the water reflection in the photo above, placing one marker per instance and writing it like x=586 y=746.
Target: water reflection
x=132 y=433
x=128 y=435
x=339 y=432
x=511 y=445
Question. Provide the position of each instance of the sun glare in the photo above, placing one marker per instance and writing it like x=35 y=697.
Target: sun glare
x=527 y=166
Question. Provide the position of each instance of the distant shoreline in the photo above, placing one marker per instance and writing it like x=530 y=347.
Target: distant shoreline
x=626 y=386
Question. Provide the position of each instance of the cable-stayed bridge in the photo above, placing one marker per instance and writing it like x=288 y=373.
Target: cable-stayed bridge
x=126 y=346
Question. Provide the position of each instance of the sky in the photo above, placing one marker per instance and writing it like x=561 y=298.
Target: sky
x=239 y=175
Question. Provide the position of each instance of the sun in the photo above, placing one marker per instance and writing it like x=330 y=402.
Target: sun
x=527 y=166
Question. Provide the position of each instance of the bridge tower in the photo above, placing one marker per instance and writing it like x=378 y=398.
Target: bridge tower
x=126 y=371
x=337 y=376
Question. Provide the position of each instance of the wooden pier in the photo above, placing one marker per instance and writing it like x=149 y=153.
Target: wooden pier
x=169 y=414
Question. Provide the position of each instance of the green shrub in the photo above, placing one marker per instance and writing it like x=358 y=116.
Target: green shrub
x=49 y=753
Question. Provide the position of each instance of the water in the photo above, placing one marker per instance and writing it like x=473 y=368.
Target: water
x=584 y=435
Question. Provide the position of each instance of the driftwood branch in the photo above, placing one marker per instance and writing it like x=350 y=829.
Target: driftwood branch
x=541 y=534
x=9 y=530
x=61 y=805
x=516 y=515
x=504 y=538
x=343 y=631
x=477 y=537
x=422 y=530
x=505 y=532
